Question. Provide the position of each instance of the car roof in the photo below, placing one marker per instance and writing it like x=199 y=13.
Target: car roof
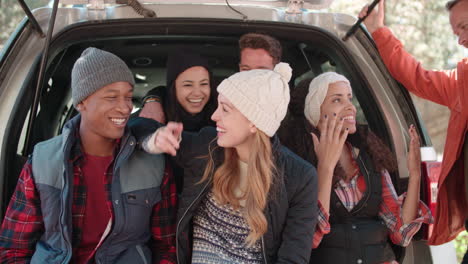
x=271 y=11
x=307 y=4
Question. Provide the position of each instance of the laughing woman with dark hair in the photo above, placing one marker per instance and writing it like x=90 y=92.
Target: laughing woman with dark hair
x=360 y=214
x=190 y=91
x=189 y=96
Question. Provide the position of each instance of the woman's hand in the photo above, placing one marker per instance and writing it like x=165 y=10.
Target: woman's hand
x=332 y=139
x=410 y=205
x=328 y=150
x=375 y=20
x=414 y=153
x=166 y=139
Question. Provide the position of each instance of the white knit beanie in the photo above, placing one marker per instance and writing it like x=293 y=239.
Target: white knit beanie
x=260 y=95
x=318 y=89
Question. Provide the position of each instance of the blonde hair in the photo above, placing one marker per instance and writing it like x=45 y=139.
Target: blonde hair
x=260 y=177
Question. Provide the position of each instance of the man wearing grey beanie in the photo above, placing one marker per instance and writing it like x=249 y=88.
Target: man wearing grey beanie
x=89 y=195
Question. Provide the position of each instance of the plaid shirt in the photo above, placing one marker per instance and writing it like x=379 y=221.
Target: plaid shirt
x=390 y=211
x=23 y=224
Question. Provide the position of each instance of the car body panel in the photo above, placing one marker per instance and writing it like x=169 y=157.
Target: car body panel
x=308 y=4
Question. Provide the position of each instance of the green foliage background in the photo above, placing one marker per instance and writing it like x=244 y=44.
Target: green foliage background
x=461 y=243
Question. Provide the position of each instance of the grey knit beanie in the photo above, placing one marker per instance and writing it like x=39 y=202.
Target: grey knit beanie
x=95 y=69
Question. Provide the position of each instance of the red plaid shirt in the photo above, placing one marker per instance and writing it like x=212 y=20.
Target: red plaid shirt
x=390 y=211
x=23 y=224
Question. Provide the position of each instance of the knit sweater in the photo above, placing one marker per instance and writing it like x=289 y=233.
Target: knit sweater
x=219 y=235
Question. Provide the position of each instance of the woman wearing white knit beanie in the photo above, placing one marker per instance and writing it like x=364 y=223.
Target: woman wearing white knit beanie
x=360 y=213
x=248 y=199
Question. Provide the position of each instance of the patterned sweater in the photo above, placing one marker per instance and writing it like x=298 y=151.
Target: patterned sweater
x=219 y=235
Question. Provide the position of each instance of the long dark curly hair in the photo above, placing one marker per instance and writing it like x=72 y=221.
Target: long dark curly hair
x=295 y=134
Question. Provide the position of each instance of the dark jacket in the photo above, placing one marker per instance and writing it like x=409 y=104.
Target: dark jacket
x=291 y=211
x=359 y=235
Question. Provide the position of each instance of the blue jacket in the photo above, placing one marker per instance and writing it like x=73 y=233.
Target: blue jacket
x=135 y=189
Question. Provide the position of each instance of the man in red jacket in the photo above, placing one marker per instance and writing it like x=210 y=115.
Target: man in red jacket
x=449 y=88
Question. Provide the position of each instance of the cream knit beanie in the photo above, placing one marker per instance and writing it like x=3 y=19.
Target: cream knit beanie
x=260 y=95
x=318 y=89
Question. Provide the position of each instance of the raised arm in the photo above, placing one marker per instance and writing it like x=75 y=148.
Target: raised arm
x=404 y=215
x=410 y=205
x=436 y=86
x=328 y=150
x=183 y=146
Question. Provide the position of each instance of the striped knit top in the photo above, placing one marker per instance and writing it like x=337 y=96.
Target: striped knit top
x=219 y=235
